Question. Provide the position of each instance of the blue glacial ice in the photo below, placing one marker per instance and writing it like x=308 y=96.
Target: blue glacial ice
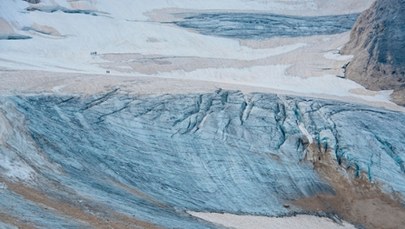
x=223 y=151
x=262 y=26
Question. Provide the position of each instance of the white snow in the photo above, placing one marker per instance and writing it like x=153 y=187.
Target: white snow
x=15 y=168
x=334 y=55
x=124 y=27
x=275 y=77
x=10 y=163
x=261 y=222
x=305 y=132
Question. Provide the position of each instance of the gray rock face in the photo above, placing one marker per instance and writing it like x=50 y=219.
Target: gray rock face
x=378 y=44
x=222 y=152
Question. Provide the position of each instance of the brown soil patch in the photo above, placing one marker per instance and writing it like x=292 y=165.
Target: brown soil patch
x=5 y=27
x=357 y=200
x=94 y=216
x=11 y=220
x=138 y=193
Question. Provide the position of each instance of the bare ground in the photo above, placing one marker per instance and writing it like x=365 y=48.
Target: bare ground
x=357 y=200
x=95 y=216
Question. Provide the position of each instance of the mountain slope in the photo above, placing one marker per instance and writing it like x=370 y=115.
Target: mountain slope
x=378 y=44
x=119 y=114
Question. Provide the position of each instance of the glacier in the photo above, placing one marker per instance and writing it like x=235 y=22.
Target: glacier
x=262 y=26
x=156 y=157
x=126 y=114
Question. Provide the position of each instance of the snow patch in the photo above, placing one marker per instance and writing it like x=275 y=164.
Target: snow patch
x=334 y=55
x=15 y=169
x=262 y=222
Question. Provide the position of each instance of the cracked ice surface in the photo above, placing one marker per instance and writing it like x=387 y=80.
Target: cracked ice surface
x=216 y=152
x=262 y=26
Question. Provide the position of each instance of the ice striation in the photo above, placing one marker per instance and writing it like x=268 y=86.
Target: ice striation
x=155 y=157
x=262 y=26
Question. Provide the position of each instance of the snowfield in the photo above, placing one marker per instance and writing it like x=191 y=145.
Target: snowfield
x=102 y=28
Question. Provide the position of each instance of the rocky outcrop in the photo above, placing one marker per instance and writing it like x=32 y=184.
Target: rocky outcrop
x=378 y=45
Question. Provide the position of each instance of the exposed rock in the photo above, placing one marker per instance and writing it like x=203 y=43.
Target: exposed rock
x=358 y=201
x=378 y=44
